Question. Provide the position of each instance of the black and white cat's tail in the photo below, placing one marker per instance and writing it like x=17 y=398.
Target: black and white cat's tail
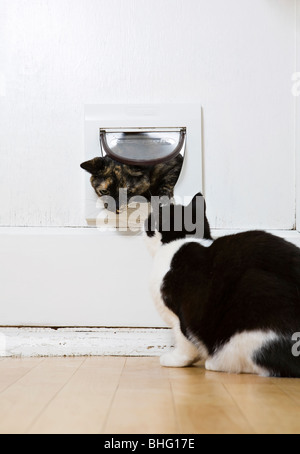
x=280 y=357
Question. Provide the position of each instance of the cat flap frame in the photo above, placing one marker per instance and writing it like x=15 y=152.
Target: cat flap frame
x=139 y=117
x=142 y=146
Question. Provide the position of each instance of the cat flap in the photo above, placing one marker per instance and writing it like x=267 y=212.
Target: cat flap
x=142 y=146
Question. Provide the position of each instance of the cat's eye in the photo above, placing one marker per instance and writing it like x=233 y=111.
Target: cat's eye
x=104 y=192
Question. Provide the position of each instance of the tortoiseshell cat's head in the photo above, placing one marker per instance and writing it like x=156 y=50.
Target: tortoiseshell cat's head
x=109 y=176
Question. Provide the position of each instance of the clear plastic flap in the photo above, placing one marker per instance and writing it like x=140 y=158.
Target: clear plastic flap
x=142 y=147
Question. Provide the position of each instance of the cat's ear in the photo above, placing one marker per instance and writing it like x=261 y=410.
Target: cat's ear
x=150 y=225
x=93 y=166
x=193 y=203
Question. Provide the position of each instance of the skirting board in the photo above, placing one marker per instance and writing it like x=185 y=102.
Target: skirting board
x=79 y=277
x=35 y=342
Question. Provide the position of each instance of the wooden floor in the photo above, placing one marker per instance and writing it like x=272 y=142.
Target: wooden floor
x=135 y=395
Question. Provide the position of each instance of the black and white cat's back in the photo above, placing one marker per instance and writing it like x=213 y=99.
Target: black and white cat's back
x=234 y=302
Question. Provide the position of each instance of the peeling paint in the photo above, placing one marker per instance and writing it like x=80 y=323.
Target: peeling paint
x=43 y=342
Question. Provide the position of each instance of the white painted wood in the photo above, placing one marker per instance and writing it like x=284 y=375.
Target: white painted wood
x=74 y=277
x=290 y=235
x=29 y=342
x=78 y=277
x=146 y=116
x=236 y=57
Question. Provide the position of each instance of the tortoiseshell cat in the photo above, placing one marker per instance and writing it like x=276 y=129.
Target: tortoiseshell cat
x=108 y=176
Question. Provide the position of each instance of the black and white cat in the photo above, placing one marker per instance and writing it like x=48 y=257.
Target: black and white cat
x=234 y=302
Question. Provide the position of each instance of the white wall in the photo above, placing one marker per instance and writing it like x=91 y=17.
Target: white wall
x=235 y=57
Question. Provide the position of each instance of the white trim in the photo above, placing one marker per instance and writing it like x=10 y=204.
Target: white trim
x=74 y=277
x=93 y=231
x=290 y=235
x=33 y=342
x=79 y=277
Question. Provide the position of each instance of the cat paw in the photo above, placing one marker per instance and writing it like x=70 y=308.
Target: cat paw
x=211 y=366
x=175 y=359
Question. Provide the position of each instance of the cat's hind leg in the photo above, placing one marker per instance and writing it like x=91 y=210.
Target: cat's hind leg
x=237 y=355
x=184 y=354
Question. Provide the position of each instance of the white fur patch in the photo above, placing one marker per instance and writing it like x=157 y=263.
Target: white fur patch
x=153 y=243
x=204 y=243
x=161 y=265
x=185 y=353
x=201 y=348
x=237 y=355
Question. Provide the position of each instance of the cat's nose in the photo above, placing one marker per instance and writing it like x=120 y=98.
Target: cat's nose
x=106 y=206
